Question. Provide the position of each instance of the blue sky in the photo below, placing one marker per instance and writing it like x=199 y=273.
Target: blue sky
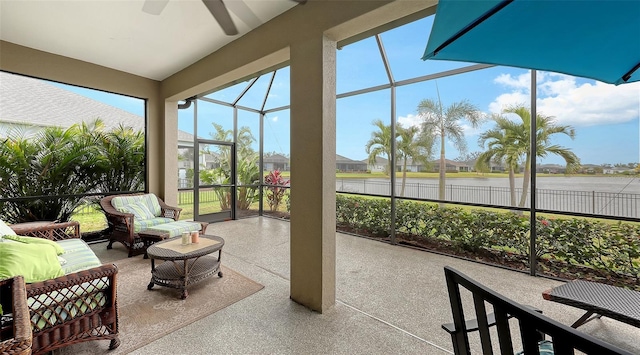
x=605 y=117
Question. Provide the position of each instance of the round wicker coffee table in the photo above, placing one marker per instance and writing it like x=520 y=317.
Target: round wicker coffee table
x=184 y=265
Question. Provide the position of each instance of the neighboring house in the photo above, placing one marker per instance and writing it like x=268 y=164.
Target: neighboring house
x=208 y=160
x=275 y=161
x=590 y=169
x=551 y=169
x=412 y=166
x=618 y=170
x=382 y=163
x=185 y=150
x=379 y=166
x=462 y=166
x=30 y=104
x=451 y=165
x=346 y=165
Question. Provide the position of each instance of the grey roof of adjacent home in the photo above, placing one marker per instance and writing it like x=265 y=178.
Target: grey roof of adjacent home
x=184 y=136
x=379 y=161
x=550 y=166
x=276 y=158
x=25 y=100
x=345 y=160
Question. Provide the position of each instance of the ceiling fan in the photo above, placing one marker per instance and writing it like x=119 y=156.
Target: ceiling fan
x=219 y=11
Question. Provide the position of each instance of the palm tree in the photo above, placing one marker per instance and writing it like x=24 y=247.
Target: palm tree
x=248 y=171
x=124 y=164
x=412 y=145
x=545 y=129
x=380 y=144
x=445 y=123
x=55 y=162
x=501 y=149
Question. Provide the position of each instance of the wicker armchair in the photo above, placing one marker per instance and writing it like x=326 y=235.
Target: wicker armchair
x=19 y=342
x=60 y=295
x=122 y=228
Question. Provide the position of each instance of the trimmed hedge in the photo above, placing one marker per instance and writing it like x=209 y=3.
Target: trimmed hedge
x=611 y=249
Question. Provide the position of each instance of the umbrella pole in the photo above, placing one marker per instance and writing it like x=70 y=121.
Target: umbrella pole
x=532 y=171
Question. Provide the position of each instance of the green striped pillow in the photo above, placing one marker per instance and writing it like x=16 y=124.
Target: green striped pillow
x=139 y=210
x=78 y=256
x=120 y=201
x=151 y=202
x=545 y=347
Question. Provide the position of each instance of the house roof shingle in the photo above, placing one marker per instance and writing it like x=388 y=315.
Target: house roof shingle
x=38 y=102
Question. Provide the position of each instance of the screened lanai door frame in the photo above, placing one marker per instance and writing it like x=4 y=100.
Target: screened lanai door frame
x=200 y=207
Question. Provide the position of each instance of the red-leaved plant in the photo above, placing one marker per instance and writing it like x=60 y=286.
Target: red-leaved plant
x=274 y=190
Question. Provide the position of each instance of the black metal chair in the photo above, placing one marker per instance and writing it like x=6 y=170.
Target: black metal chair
x=533 y=325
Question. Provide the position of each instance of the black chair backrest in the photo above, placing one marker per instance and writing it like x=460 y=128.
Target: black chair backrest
x=565 y=339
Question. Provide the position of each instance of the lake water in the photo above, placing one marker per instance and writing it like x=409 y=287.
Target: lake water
x=618 y=184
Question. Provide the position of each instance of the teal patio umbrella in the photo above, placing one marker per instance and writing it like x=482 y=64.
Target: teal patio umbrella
x=596 y=39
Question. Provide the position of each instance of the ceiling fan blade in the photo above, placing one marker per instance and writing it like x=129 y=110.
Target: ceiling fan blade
x=243 y=11
x=154 y=7
x=301 y=2
x=220 y=13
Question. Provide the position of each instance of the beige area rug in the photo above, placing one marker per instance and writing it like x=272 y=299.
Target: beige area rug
x=145 y=316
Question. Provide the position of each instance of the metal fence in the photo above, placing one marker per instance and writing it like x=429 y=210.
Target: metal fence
x=185 y=197
x=592 y=202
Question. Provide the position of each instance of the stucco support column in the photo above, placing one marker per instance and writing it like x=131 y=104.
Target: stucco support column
x=154 y=145
x=171 y=153
x=313 y=173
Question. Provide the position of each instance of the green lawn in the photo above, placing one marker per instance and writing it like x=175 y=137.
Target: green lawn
x=92 y=219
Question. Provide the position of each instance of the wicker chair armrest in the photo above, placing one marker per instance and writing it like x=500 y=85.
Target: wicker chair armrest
x=53 y=231
x=21 y=341
x=121 y=217
x=76 y=278
x=171 y=212
x=110 y=211
x=120 y=220
x=117 y=214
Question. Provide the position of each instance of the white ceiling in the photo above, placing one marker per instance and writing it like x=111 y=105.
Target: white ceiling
x=119 y=35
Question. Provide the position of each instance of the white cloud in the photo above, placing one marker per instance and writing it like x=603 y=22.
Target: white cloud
x=410 y=120
x=560 y=96
x=509 y=99
x=590 y=103
x=521 y=82
x=274 y=119
x=519 y=88
x=470 y=131
x=555 y=87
